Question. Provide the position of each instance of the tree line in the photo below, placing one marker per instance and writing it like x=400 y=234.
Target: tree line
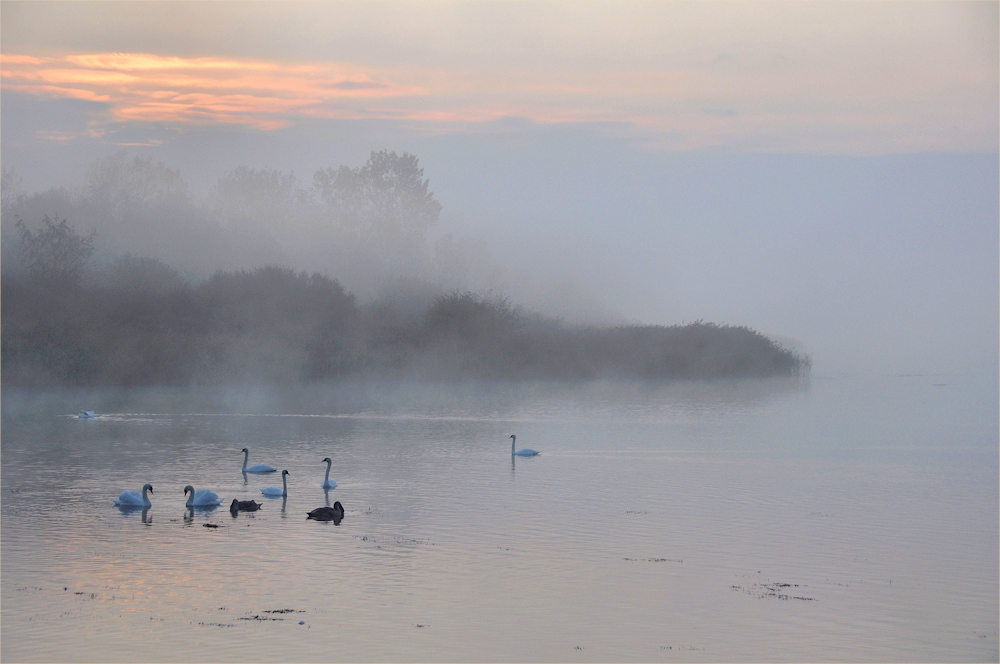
x=82 y=309
x=138 y=322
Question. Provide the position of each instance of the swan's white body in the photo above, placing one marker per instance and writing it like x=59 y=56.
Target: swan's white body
x=328 y=483
x=274 y=491
x=259 y=468
x=84 y=414
x=134 y=498
x=524 y=452
x=201 y=497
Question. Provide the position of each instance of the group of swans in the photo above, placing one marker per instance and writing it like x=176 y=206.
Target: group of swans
x=200 y=498
x=208 y=498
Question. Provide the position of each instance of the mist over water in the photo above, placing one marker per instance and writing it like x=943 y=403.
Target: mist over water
x=765 y=520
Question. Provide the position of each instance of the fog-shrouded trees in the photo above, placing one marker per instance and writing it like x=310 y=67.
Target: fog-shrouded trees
x=162 y=290
x=379 y=215
x=385 y=200
x=55 y=253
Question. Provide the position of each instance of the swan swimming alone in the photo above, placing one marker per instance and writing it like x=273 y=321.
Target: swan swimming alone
x=259 y=468
x=524 y=452
x=335 y=513
x=274 y=491
x=134 y=498
x=328 y=483
x=201 y=497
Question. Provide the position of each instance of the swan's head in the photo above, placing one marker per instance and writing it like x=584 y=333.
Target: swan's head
x=245 y=451
x=285 y=472
x=513 y=437
x=147 y=487
x=338 y=506
x=327 y=460
x=188 y=488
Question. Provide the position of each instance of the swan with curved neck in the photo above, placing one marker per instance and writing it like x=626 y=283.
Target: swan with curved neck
x=201 y=497
x=274 y=491
x=259 y=468
x=524 y=452
x=328 y=483
x=134 y=498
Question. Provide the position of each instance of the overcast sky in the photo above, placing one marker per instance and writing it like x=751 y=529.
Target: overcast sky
x=823 y=171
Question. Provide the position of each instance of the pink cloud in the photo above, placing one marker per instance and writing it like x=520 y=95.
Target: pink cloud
x=176 y=90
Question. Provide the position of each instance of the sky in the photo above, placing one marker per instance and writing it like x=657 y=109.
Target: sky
x=824 y=172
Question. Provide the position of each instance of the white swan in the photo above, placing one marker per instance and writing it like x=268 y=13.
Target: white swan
x=524 y=452
x=259 y=468
x=201 y=497
x=134 y=498
x=274 y=491
x=328 y=483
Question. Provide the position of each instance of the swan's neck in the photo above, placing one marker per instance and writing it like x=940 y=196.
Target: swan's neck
x=284 y=484
x=328 y=465
x=190 y=500
x=513 y=439
x=145 y=498
x=246 y=457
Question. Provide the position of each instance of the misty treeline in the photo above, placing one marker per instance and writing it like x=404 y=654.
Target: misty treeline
x=366 y=225
x=75 y=312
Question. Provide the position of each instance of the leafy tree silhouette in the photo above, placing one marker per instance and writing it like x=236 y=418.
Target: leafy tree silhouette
x=55 y=253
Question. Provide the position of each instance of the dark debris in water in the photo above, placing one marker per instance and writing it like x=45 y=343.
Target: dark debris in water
x=211 y=525
x=285 y=611
x=762 y=590
x=653 y=560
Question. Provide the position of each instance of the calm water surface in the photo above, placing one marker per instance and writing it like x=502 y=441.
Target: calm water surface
x=832 y=520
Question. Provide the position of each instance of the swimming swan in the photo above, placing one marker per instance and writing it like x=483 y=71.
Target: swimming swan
x=201 y=497
x=85 y=414
x=524 y=452
x=328 y=483
x=244 y=506
x=134 y=498
x=259 y=468
x=274 y=491
x=335 y=513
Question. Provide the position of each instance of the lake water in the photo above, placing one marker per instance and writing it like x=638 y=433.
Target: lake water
x=838 y=519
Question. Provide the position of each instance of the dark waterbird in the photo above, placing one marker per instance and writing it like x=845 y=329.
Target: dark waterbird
x=244 y=506
x=335 y=513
